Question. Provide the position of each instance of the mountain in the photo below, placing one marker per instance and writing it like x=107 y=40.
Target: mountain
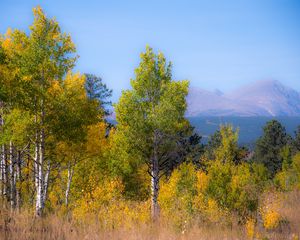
x=261 y=98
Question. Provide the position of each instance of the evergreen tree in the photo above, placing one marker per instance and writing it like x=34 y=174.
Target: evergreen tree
x=269 y=146
x=97 y=90
x=296 y=141
x=213 y=143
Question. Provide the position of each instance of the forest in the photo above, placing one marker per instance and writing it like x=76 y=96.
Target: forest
x=66 y=172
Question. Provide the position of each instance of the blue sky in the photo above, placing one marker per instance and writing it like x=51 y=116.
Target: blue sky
x=214 y=44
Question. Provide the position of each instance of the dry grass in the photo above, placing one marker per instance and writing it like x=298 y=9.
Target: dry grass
x=291 y=210
x=23 y=226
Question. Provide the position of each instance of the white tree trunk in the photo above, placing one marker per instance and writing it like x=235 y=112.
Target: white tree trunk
x=1 y=161
x=4 y=172
x=1 y=171
x=155 y=180
x=36 y=173
x=18 y=178
x=69 y=180
x=40 y=186
x=46 y=183
x=12 y=176
x=154 y=190
x=3 y=167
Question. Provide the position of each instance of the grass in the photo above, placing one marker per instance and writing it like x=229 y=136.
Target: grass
x=24 y=226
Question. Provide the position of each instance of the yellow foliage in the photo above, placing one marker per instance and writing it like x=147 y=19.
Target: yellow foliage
x=295 y=237
x=74 y=84
x=202 y=181
x=270 y=211
x=96 y=140
x=177 y=195
x=271 y=219
x=54 y=89
x=250 y=228
x=228 y=147
x=7 y=43
x=213 y=212
x=107 y=206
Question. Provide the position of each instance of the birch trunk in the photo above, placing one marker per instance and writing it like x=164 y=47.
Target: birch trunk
x=69 y=180
x=36 y=167
x=1 y=160
x=19 y=179
x=3 y=167
x=1 y=172
x=12 y=176
x=155 y=181
x=46 y=183
x=154 y=190
x=40 y=193
x=4 y=173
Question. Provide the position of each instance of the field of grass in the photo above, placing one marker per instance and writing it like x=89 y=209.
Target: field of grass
x=23 y=225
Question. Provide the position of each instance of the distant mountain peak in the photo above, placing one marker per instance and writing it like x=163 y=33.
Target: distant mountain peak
x=218 y=92
x=261 y=98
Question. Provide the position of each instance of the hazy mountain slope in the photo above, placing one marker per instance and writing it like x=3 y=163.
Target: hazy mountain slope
x=273 y=96
x=262 y=98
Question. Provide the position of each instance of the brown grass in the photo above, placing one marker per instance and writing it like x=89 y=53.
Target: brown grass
x=23 y=226
x=16 y=226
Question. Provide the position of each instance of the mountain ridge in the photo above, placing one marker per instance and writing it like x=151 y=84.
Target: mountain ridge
x=260 y=98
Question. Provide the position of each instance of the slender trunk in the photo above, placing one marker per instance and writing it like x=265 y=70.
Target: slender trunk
x=154 y=190
x=12 y=176
x=40 y=195
x=36 y=159
x=4 y=173
x=37 y=169
x=46 y=183
x=1 y=159
x=3 y=166
x=1 y=172
x=19 y=180
x=1 y=175
x=69 y=180
x=28 y=177
x=154 y=181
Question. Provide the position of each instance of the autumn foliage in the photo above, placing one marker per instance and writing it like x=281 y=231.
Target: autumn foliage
x=67 y=172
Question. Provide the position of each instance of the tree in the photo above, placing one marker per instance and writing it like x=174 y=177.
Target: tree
x=149 y=116
x=97 y=90
x=269 y=146
x=189 y=149
x=226 y=152
x=37 y=61
x=225 y=138
x=296 y=141
x=213 y=143
x=71 y=115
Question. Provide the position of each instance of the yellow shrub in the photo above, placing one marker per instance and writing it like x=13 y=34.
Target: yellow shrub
x=202 y=181
x=270 y=210
x=214 y=213
x=250 y=227
x=107 y=206
x=295 y=237
x=271 y=219
x=177 y=195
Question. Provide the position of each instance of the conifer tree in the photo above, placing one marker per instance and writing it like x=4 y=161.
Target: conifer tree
x=269 y=146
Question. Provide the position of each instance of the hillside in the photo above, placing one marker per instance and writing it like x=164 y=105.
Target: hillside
x=262 y=98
